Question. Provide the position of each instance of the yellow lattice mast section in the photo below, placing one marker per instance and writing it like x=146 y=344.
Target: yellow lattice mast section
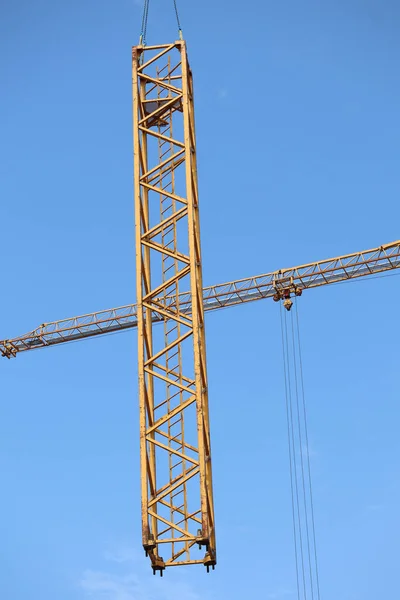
x=176 y=484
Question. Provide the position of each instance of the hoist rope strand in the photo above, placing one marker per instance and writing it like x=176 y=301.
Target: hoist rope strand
x=290 y=457
x=296 y=478
x=178 y=19
x=301 y=452
x=308 y=454
x=145 y=16
x=294 y=464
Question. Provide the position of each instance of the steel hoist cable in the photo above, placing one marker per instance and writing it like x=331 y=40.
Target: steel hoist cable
x=145 y=18
x=303 y=450
x=294 y=451
x=306 y=563
x=178 y=21
x=290 y=452
x=311 y=495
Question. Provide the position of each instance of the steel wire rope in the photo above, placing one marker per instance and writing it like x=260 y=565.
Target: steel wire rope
x=307 y=447
x=290 y=455
x=145 y=17
x=292 y=458
x=301 y=454
x=178 y=19
x=300 y=527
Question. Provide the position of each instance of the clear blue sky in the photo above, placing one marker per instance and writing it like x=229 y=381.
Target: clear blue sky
x=298 y=126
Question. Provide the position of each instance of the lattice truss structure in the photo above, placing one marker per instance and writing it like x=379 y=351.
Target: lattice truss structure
x=330 y=271
x=176 y=484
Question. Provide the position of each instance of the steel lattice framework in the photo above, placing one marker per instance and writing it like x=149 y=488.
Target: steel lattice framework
x=176 y=483
x=333 y=270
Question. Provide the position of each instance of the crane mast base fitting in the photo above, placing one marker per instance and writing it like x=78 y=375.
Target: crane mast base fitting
x=175 y=448
x=157 y=564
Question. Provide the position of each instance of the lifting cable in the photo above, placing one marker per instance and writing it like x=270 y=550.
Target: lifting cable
x=178 y=21
x=145 y=17
x=307 y=577
x=310 y=490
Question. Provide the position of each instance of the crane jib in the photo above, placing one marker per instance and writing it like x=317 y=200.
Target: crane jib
x=335 y=270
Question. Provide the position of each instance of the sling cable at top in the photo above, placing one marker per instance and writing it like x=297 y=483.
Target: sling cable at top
x=178 y=525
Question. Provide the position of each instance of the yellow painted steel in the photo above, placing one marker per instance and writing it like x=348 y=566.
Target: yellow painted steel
x=232 y=293
x=176 y=482
x=333 y=270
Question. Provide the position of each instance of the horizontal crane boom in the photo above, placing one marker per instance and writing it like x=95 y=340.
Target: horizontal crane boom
x=275 y=284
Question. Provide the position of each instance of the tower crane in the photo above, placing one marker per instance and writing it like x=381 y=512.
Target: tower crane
x=178 y=521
